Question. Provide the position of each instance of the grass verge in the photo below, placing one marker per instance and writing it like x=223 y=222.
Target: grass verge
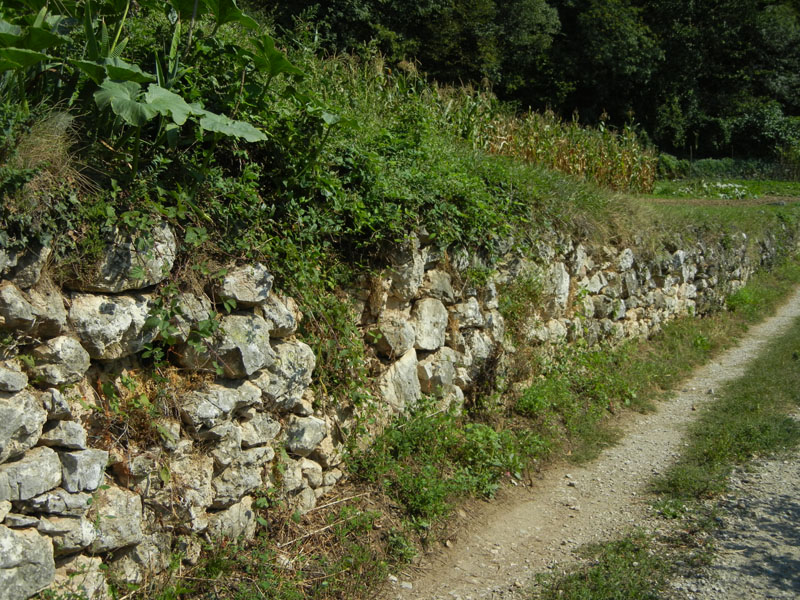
x=750 y=418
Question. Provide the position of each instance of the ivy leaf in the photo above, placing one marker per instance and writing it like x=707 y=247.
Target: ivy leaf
x=122 y=97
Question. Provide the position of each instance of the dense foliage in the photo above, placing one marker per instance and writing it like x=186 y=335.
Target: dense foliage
x=703 y=77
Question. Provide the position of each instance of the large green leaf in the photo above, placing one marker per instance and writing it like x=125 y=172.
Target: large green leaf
x=230 y=127
x=10 y=35
x=119 y=70
x=21 y=57
x=170 y=104
x=226 y=11
x=95 y=70
x=122 y=97
x=38 y=38
x=269 y=60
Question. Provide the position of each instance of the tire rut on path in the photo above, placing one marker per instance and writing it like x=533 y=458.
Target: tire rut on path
x=536 y=527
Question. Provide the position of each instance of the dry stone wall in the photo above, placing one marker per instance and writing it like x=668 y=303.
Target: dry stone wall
x=74 y=505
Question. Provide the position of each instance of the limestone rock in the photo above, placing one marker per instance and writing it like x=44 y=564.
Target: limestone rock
x=248 y=285
x=69 y=534
x=29 y=267
x=151 y=555
x=117 y=514
x=38 y=471
x=238 y=521
x=83 y=470
x=21 y=419
x=207 y=407
x=304 y=501
x=392 y=336
x=188 y=491
x=556 y=289
x=56 y=405
x=15 y=310
x=625 y=260
x=12 y=379
x=437 y=371
x=242 y=477
x=111 y=327
x=399 y=384
x=437 y=284
x=5 y=508
x=133 y=263
x=407 y=271
x=289 y=375
x=275 y=311
x=64 y=434
x=312 y=472
x=26 y=563
x=81 y=576
x=258 y=429
x=468 y=314
x=60 y=360
x=430 y=323
x=190 y=310
x=48 y=310
x=240 y=347
x=304 y=434
x=60 y=502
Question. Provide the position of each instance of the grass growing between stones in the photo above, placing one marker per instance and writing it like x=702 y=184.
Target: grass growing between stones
x=750 y=418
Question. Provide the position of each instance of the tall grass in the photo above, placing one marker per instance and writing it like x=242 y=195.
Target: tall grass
x=601 y=155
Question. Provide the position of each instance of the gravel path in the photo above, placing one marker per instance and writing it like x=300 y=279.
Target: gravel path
x=533 y=528
x=758 y=544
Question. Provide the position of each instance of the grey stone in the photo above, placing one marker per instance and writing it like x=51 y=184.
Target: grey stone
x=312 y=471
x=48 y=310
x=625 y=260
x=21 y=419
x=81 y=576
x=117 y=515
x=56 y=404
x=190 y=310
x=393 y=335
x=467 y=314
x=437 y=284
x=557 y=331
x=243 y=476
x=437 y=371
x=430 y=323
x=208 y=407
x=556 y=284
x=248 y=285
x=304 y=434
x=12 y=379
x=259 y=429
x=229 y=446
x=188 y=491
x=238 y=521
x=479 y=345
x=332 y=477
x=496 y=325
x=304 y=501
x=69 y=534
x=292 y=476
x=16 y=311
x=60 y=360
x=133 y=263
x=29 y=267
x=240 y=348
x=5 y=508
x=83 y=470
x=407 y=272
x=111 y=327
x=281 y=320
x=26 y=563
x=399 y=384
x=15 y=520
x=64 y=434
x=8 y=260
x=38 y=471
x=328 y=453
x=289 y=375
x=136 y=564
x=60 y=502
